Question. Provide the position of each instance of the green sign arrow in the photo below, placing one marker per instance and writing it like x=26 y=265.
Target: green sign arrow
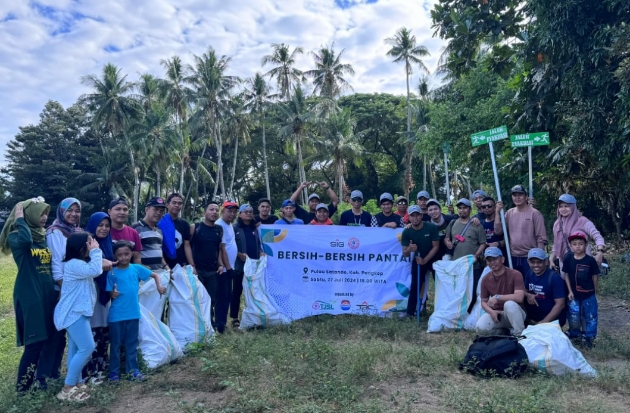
x=488 y=136
x=530 y=139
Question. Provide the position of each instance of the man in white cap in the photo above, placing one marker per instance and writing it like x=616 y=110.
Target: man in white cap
x=477 y=198
x=545 y=291
x=402 y=204
x=386 y=218
x=356 y=217
x=422 y=199
x=502 y=296
x=321 y=216
x=313 y=201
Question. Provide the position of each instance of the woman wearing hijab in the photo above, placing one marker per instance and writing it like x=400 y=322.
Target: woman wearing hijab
x=569 y=221
x=99 y=225
x=34 y=295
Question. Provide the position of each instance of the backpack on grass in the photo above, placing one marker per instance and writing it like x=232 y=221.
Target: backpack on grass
x=500 y=356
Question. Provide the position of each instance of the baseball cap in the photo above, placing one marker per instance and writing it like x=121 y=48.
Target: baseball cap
x=576 y=235
x=537 y=253
x=245 y=207
x=414 y=209
x=477 y=193
x=321 y=206
x=464 y=201
x=117 y=201
x=567 y=199
x=356 y=194
x=230 y=204
x=492 y=252
x=423 y=194
x=402 y=198
x=386 y=196
x=519 y=189
x=156 y=201
x=288 y=202
x=433 y=202
x=311 y=196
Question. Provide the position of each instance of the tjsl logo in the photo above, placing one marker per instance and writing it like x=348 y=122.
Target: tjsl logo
x=337 y=244
x=322 y=306
x=345 y=305
x=354 y=243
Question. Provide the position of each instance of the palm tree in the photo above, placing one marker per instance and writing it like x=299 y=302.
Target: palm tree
x=148 y=90
x=114 y=110
x=257 y=93
x=340 y=144
x=210 y=89
x=329 y=72
x=285 y=74
x=404 y=49
x=173 y=92
x=237 y=127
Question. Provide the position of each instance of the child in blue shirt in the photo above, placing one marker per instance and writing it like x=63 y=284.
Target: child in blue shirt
x=124 y=313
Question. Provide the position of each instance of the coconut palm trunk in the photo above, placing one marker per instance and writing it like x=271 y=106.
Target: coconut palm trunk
x=264 y=143
x=230 y=193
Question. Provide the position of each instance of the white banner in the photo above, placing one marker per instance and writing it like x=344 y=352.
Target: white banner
x=313 y=270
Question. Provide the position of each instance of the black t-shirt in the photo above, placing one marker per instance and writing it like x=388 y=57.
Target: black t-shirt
x=442 y=232
x=182 y=233
x=349 y=219
x=381 y=219
x=489 y=228
x=270 y=219
x=308 y=216
x=206 y=244
x=580 y=273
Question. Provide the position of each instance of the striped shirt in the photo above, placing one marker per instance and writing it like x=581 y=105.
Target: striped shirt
x=151 y=239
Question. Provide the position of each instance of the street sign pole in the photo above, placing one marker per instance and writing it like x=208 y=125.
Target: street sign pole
x=531 y=178
x=496 y=183
x=529 y=140
x=448 y=187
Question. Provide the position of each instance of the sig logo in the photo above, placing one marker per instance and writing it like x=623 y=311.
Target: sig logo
x=337 y=244
x=345 y=305
x=322 y=306
x=354 y=243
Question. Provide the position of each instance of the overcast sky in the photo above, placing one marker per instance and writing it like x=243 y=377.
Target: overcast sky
x=48 y=45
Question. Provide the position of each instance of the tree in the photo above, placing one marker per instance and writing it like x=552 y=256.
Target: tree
x=329 y=72
x=285 y=74
x=113 y=110
x=237 y=126
x=404 y=49
x=258 y=94
x=210 y=89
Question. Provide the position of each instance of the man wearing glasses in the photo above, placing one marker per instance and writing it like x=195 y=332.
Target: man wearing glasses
x=356 y=217
x=492 y=239
x=401 y=208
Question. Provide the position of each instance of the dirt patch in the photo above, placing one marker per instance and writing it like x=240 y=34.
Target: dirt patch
x=409 y=395
x=613 y=315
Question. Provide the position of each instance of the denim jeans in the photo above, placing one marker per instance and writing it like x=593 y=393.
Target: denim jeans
x=80 y=348
x=583 y=317
x=123 y=332
x=520 y=264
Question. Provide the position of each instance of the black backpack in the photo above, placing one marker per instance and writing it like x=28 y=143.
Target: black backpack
x=490 y=356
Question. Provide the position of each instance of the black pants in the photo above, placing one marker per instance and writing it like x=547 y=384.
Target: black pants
x=224 y=298
x=99 y=361
x=412 y=302
x=476 y=276
x=210 y=281
x=32 y=358
x=237 y=291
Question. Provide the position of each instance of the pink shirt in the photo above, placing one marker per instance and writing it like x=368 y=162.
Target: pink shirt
x=526 y=230
x=127 y=234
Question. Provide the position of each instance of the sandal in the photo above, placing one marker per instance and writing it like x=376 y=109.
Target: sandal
x=73 y=395
x=137 y=376
x=95 y=381
x=236 y=322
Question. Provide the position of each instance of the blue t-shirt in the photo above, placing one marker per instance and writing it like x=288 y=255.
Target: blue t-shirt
x=126 y=306
x=349 y=219
x=296 y=221
x=490 y=235
x=546 y=292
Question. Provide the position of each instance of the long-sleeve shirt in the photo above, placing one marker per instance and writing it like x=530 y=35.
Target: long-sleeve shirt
x=57 y=243
x=526 y=230
x=78 y=291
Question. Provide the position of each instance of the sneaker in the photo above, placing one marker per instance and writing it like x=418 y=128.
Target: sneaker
x=114 y=378
x=137 y=376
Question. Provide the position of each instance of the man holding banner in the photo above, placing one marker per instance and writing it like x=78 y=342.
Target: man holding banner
x=422 y=239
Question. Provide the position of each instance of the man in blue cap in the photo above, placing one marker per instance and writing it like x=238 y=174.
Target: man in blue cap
x=288 y=208
x=313 y=201
x=545 y=291
x=502 y=296
x=477 y=198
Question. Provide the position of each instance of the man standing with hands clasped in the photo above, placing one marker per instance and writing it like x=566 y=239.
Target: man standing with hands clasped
x=422 y=239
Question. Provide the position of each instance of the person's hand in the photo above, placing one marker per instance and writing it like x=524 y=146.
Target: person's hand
x=194 y=270
x=492 y=302
x=407 y=226
x=92 y=244
x=532 y=202
x=570 y=296
x=552 y=263
x=324 y=185
x=531 y=299
x=390 y=225
x=107 y=265
x=494 y=315
x=19 y=211
x=448 y=243
x=242 y=256
x=599 y=257
x=499 y=206
x=305 y=184
x=451 y=209
x=161 y=290
x=420 y=261
x=475 y=221
x=412 y=247
x=115 y=293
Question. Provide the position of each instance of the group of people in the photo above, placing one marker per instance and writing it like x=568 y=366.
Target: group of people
x=83 y=284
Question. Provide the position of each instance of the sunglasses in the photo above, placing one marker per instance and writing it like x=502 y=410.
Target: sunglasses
x=357 y=199
x=487 y=206
x=402 y=203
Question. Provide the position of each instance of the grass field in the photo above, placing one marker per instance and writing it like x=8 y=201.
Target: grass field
x=346 y=364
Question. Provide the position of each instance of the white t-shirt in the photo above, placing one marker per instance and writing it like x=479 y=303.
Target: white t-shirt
x=229 y=239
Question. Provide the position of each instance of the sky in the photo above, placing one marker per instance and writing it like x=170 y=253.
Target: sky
x=49 y=45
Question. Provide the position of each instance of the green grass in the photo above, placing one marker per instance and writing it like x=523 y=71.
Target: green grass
x=617 y=283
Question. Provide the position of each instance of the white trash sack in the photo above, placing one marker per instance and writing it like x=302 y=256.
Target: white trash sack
x=550 y=351
x=149 y=296
x=477 y=311
x=453 y=293
x=260 y=309
x=156 y=341
x=189 y=316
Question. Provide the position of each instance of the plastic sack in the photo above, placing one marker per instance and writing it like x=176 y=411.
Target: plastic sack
x=260 y=309
x=453 y=292
x=550 y=351
x=149 y=296
x=157 y=343
x=477 y=311
x=189 y=316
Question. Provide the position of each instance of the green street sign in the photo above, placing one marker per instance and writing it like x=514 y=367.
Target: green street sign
x=487 y=136
x=530 y=139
